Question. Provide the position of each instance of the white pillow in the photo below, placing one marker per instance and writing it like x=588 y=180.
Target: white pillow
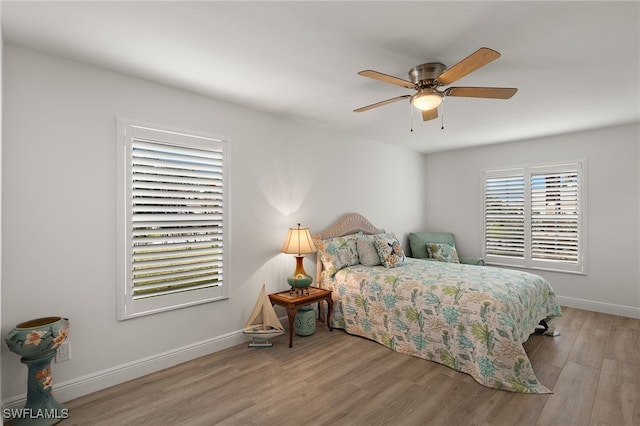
x=367 y=253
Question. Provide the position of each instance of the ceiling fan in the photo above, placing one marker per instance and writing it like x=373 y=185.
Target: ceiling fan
x=427 y=79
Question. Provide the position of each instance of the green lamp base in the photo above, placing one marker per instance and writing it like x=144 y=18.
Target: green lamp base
x=299 y=281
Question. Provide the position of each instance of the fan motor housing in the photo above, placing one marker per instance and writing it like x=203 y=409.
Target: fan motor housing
x=426 y=73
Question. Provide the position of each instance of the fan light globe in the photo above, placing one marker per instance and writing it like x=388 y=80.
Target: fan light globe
x=426 y=99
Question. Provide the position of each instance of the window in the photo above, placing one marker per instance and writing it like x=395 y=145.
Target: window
x=172 y=220
x=533 y=217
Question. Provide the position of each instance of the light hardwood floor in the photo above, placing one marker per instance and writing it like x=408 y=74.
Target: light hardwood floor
x=332 y=378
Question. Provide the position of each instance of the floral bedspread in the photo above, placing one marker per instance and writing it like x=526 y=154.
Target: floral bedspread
x=473 y=319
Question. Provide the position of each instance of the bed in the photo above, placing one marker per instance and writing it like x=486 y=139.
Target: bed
x=471 y=318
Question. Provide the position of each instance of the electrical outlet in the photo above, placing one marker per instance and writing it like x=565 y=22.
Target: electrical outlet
x=64 y=352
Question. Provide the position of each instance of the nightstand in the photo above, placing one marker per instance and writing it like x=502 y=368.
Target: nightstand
x=291 y=301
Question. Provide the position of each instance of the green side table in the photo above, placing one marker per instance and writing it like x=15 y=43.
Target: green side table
x=305 y=321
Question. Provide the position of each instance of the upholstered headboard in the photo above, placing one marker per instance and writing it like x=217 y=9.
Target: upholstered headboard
x=348 y=224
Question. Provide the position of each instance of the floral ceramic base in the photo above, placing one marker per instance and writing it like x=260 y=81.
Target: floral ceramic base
x=37 y=341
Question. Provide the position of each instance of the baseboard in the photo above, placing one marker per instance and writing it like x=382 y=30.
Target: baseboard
x=606 y=308
x=94 y=382
x=99 y=380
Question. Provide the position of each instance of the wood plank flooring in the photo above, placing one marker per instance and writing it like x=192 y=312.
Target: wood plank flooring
x=332 y=378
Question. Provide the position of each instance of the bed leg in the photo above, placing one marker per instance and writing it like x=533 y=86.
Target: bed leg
x=321 y=313
x=543 y=328
x=544 y=325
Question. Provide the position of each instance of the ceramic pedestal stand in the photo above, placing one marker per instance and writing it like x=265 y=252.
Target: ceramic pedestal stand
x=305 y=321
x=37 y=341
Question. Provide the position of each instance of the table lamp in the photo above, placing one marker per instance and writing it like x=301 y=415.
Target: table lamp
x=299 y=243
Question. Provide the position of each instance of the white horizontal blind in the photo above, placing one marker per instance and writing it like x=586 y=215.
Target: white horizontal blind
x=533 y=217
x=555 y=216
x=176 y=218
x=504 y=216
x=172 y=220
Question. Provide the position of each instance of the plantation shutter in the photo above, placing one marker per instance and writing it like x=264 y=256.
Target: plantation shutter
x=176 y=218
x=504 y=216
x=533 y=217
x=554 y=216
x=173 y=220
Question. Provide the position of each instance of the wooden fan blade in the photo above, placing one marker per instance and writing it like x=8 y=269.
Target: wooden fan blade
x=387 y=78
x=477 y=59
x=482 y=92
x=377 y=104
x=430 y=114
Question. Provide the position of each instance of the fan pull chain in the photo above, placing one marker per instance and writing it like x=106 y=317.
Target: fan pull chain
x=411 y=114
x=442 y=116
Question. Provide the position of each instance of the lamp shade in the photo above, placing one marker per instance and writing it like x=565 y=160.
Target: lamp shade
x=426 y=99
x=298 y=241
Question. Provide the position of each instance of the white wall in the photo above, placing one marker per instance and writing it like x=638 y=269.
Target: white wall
x=58 y=214
x=1 y=80
x=454 y=202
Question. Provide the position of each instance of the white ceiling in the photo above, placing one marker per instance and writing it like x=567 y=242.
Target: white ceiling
x=576 y=64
